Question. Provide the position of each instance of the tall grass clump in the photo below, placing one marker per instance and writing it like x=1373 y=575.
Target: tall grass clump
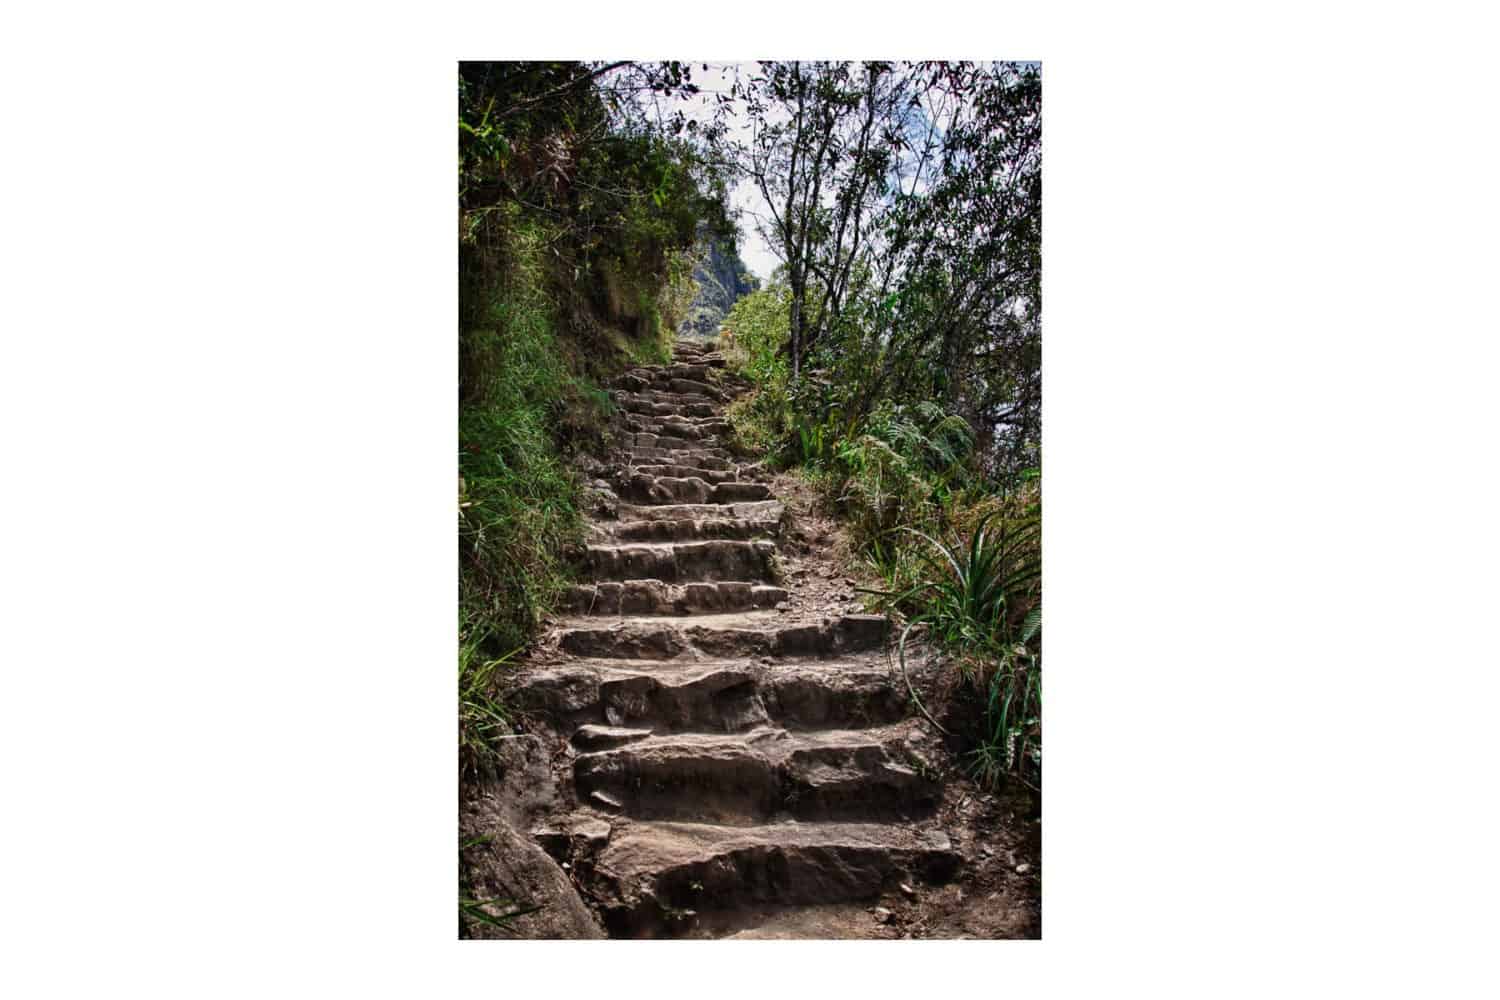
x=517 y=500
x=979 y=598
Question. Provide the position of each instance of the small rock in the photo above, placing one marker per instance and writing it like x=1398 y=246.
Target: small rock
x=939 y=840
x=908 y=891
x=1022 y=869
x=593 y=832
x=784 y=606
x=849 y=580
x=882 y=915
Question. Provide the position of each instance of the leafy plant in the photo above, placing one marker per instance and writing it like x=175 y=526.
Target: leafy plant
x=483 y=719
x=978 y=599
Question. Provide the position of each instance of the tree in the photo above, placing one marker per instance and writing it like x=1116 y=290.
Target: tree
x=813 y=159
x=904 y=200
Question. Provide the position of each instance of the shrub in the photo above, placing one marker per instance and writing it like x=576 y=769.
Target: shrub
x=980 y=599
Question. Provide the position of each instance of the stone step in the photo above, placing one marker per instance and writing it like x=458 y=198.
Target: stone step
x=697 y=459
x=666 y=382
x=696 y=349
x=653 y=879
x=748 y=634
x=702 y=529
x=714 y=476
x=692 y=429
x=665 y=442
x=720 y=457
x=654 y=597
x=695 y=428
x=642 y=488
x=648 y=407
x=667 y=396
x=753 y=776
x=683 y=369
x=761 y=510
x=721 y=696
x=681 y=562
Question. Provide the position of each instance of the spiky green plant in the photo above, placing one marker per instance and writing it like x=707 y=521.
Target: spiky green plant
x=482 y=716
x=968 y=600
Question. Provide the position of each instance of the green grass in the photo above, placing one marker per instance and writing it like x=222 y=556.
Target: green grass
x=518 y=509
x=526 y=405
x=483 y=718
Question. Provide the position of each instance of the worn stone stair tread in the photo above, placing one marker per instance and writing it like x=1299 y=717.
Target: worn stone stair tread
x=672 y=396
x=639 y=403
x=645 y=847
x=773 y=742
x=746 y=510
x=742 y=633
x=650 y=597
x=697 y=461
x=643 y=455
x=683 y=562
x=722 y=695
x=663 y=872
x=752 y=776
x=704 y=530
x=641 y=488
x=667 y=469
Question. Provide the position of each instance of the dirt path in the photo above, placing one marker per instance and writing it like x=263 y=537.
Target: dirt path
x=732 y=755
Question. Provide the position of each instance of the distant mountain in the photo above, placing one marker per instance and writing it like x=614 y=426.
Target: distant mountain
x=722 y=280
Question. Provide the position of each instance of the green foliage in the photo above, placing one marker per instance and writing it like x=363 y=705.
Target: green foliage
x=901 y=366
x=969 y=593
x=1011 y=739
x=757 y=326
x=751 y=336
x=483 y=719
x=519 y=406
x=980 y=600
x=912 y=252
x=577 y=215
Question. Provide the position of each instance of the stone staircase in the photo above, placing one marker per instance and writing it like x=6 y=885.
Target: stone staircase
x=730 y=753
